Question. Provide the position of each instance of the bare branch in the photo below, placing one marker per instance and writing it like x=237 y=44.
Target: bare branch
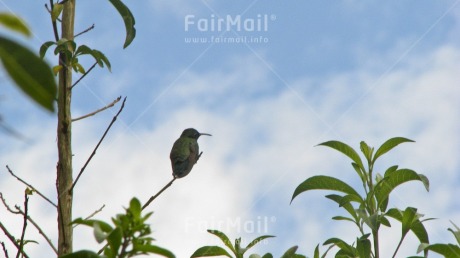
x=97 y=146
x=24 y=224
x=99 y=110
x=31 y=187
x=4 y=250
x=55 y=30
x=156 y=195
x=19 y=211
x=88 y=29
x=12 y=239
x=83 y=76
x=95 y=212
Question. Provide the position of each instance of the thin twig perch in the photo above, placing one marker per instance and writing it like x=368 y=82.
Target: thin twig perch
x=97 y=146
x=99 y=110
x=156 y=195
x=31 y=187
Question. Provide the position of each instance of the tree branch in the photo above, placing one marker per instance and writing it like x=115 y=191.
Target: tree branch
x=99 y=110
x=83 y=76
x=31 y=187
x=4 y=250
x=24 y=224
x=88 y=29
x=95 y=212
x=12 y=239
x=156 y=195
x=97 y=146
x=55 y=30
x=19 y=211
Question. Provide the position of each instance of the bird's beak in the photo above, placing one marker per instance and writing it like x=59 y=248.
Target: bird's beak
x=205 y=134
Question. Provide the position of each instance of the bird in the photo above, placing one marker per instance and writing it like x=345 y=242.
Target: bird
x=185 y=152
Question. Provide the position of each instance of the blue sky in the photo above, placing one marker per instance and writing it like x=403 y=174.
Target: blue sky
x=347 y=70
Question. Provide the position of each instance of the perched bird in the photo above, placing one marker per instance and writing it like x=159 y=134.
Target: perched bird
x=185 y=152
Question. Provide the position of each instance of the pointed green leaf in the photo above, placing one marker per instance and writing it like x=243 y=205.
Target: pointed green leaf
x=210 y=251
x=81 y=254
x=394 y=179
x=57 y=10
x=346 y=205
x=346 y=248
x=114 y=239
x=388 y=145
x=290 y=253
x=409 y=216
x=128 y=19
x=105 y=227
x=324 y=183
x=447 y=250
x=153 y=249
x=366 y=150
x=417 y=227
x=345 y=149
x=33 y=76
x=14 y=23
x=257 y=240
x=455 y=232
x=44 y=47
x=102 y=59
x=223 y=238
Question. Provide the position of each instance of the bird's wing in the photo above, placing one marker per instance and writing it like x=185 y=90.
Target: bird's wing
x=180 y=151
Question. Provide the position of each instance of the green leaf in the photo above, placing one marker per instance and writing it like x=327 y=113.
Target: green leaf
x=345 y=149
x=417 y=227
x=105 y=227
x=366 y=150
x=14 y=23
x=363 y=247
x=346 y=205
x=324 y=183
x=128 y=19
x=135 y=207
x=290 y=253
x=33 y=76
x=394 y=179
x=346 y=248
x=102 y=59
x=388 y=145
x=99 y=235
x=44 y=47
x=455 y=232
x=155 y=250
x=316 y=253
x=57 y=10
x=223 y=238
x=257 y=240
x=114 y=240
x=81 y=254
x=448 y=250
x=210 y=251
x=267 y=255
x=408 y=218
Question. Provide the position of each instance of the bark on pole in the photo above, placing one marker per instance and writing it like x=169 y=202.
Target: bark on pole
x=64 y=138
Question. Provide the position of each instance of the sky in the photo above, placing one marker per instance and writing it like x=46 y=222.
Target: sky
x=312 y=71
